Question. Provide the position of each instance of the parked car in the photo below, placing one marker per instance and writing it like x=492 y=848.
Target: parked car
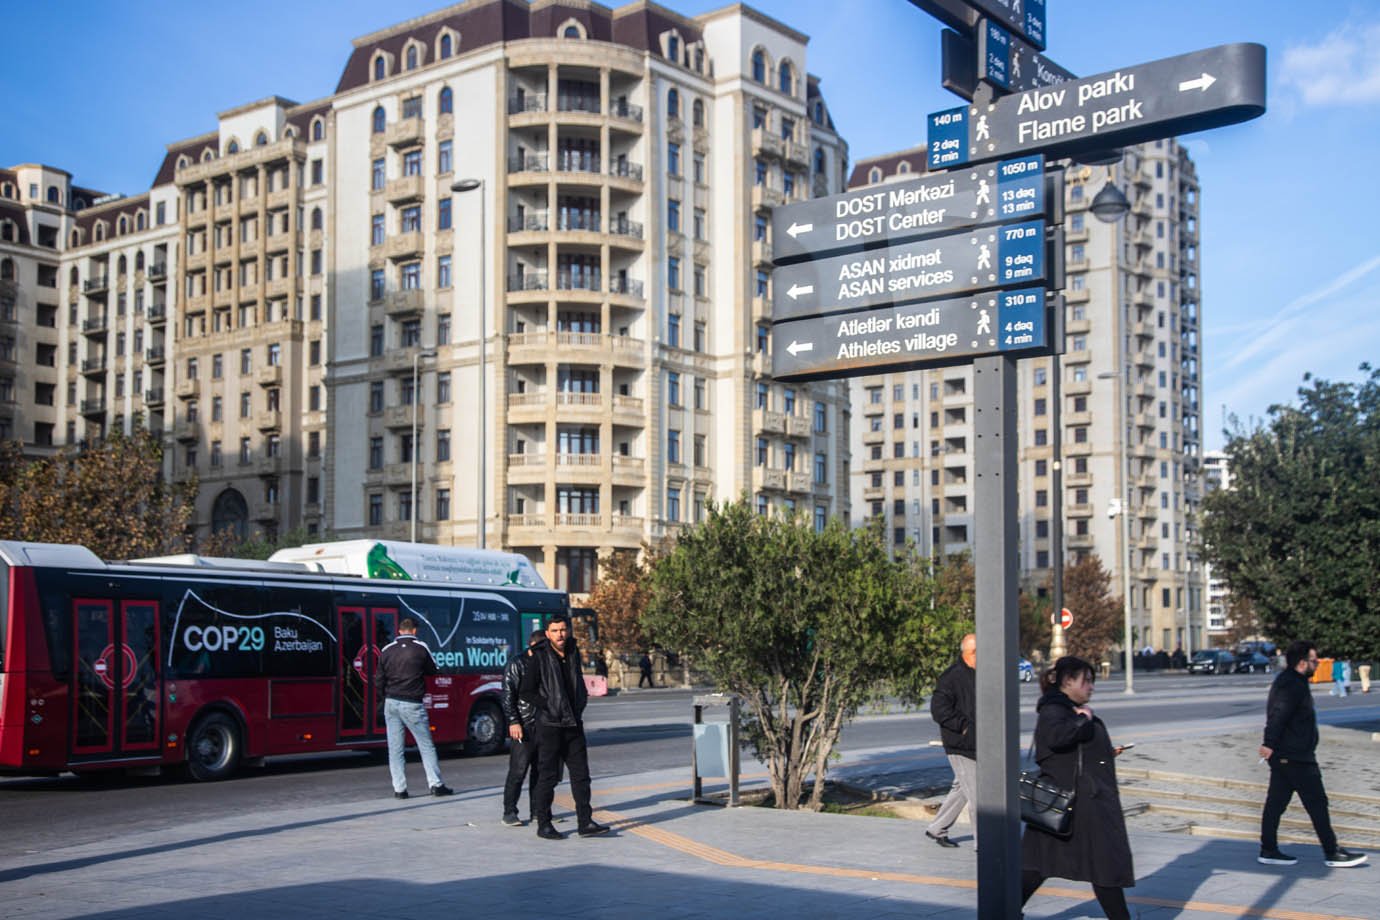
x=1251 y=663
x=1212 y=661
x=1026 y=671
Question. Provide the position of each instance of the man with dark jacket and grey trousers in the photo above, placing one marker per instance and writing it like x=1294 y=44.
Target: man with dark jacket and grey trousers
x=1291 y=739
x=555 y=686
x=521 y=716
x=954 y=707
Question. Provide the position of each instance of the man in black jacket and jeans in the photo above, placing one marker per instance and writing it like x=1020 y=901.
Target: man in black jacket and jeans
x=954 y=706
x=521 y=716
x=554 y=685
x=1291 y=738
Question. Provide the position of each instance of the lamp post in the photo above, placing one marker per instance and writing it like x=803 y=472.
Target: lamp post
x=468 y=185
x=416 y=410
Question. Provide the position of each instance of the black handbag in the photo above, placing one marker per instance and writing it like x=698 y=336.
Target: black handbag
x=1048 y=806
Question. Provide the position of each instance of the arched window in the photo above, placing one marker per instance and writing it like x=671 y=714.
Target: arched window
x=100 y=231
x=380 y=120
x=673 y=104
x=72 y=276
x=121 y=226
x=697 y=113
x=139 y=261
x=139 y=221
x=7 y=190
x=874 y=174
x=673 y=48
x=6 y=269
x=7 y=231
x=230 y=512
x=819 y=162
x=261 y=139
x=75 y=241
x=785 y=78
x=380 y=67
x=445 y=51
x=183 y=162
x=232 y=147
x=819 y=112
x=207 y=155
x=903 y=168
x=79 y=204
x=122 y=266
x=316 y=218
x=571 y=31
x=412 y=58
x=318 y=129
x=54 y=196
x=447 y=100
x=759 y=66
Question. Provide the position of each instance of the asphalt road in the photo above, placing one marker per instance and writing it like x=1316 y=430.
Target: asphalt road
x=633 y=732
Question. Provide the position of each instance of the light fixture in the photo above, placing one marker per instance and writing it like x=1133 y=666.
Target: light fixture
x=1110 y=204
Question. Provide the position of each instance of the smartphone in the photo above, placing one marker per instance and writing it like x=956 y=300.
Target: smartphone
x=1127 y=746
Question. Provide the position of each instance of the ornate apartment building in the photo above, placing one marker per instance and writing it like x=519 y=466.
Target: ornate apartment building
x=507 y=286
x=1130 y=375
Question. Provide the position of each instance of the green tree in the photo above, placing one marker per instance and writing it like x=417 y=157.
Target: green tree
x=110 y=497
x=257 y=545
x=1297 y=534
x=805 y=626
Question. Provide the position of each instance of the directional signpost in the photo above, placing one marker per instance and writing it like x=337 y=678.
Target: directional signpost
x=1178 y=95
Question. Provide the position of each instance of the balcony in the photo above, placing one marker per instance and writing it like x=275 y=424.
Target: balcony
x=269 y=420
x=396 y=417
x=158 y=313
x=571 y=221
x=628 y=286
x=408 y=188
x=528 y=281
x=95 y=325
x=766 y=143
x=268 y=466
x=97 y=285
x=767 y=478
x=627 y=111
x=761 y=252
x=404 y=133
x=95 y=366
x=187 y=430
x=621 y=226
x=765 y=196
x=270 y=376
x=579 y=281
x=528 y=163
x=625 y=170
x=264 y=511
x=403 y=303
x=155 y=355
x=93 y=407
x=799 y=482
x=158 y=271
x=153 y=397
x=531 y=222
x=405 y=245
x=632 y=408
x=798 y=427
x=769 y=422
x=578 y=102
x=527 y=102
x=189 y=389
x=796 y=154
x=577 y=161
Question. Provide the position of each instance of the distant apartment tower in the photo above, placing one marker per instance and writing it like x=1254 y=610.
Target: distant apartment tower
x=313 y=288
x=1216 y=475
x=1130 y=393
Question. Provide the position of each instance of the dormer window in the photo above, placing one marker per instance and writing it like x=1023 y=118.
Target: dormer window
x=380 y=67
x=318 y=129
x=673 y=47
x=232 y=147
x=874 y=174
x=446 y=48
x=261 y=139
x=412 y=58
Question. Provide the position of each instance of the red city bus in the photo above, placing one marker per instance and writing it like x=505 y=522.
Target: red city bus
x=214 y=663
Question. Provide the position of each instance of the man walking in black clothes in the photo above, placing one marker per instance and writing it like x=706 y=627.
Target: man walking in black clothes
x=645 y=666
x=1291 y=738
x=954 y=707
x=554 y=686
x=521 y=718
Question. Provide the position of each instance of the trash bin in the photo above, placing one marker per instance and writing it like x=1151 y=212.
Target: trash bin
x=714 y=751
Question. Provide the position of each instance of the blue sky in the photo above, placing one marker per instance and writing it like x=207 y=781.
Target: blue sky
x=1288 y=260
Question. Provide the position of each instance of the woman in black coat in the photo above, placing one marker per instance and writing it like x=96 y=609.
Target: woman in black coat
x=1097 y=850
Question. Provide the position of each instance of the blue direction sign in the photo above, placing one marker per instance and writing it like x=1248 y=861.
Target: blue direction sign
x=1002 y=256
x=994 y=54
x=899 y=211
x=1178 y=95
x=934 y=333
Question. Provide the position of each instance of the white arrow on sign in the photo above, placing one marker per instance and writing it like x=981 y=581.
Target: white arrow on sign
x=796 y=348
x=796 y=229
x=796 y=290
x=1201 y=83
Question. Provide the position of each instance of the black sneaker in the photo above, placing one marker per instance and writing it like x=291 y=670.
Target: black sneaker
x=1344 y=859
x=942 y=841
x=442 y=789
x=547 y=832
x=400 y=795
x=511 y=820
x=1276 y=858
x=593 y=829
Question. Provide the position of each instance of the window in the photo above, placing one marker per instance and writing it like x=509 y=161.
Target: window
x=673 y=104
x=376 y=284
x=672 y=446
x=700 y=402
x=410 y=220
x=246 y=405
x=673 y=504
x=759 y=66
x=445 y=103
x=378 y=176
x=412 y=276
x=317 y=172
x=673 y=215
x=673 y=273
x=673 y=389
x=673 y=330
x=377 y=233
x=761 y=452
x=446 y=49
x=673 y=158
x=376 y=396
x=380 y=119
x=375 y=508
x=443 y=277
x=443 y=445
x=443 y=387
x=821 y=468
x=821 y=418
x=443 y=504
x=412 y=107
x=443 y=157
x=443 y=214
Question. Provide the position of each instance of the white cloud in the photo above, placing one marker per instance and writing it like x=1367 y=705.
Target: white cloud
x=1342 y=69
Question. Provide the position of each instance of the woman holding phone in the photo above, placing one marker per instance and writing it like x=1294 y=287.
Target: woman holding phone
x=1073 y=749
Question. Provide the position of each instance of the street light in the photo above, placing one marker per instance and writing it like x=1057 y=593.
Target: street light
x=1110 y=204
x=1122 y=506
x=469 y=185
x=416 y=409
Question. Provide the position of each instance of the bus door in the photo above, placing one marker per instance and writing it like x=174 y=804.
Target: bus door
x=115 y=685
x=363 y=633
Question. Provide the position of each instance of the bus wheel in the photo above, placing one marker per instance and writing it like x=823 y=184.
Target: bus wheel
x=487 y=730
x=213 y=748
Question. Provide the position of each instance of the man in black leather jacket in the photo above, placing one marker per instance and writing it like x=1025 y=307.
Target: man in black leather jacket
x=954 y=706
x=554 y=685
x=1291 y=739
x=521 y=716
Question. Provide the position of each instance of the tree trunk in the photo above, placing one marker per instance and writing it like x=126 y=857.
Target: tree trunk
x=826 y=747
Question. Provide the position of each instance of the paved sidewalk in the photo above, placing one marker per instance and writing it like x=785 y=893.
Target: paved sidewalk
x=442 y=858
